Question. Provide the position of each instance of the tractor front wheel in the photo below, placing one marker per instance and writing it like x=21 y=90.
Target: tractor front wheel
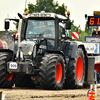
x=52 y=72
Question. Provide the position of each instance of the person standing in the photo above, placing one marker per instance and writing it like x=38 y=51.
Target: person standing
x=96 y=32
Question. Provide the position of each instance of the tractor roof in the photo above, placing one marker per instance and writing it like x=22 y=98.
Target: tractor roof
x=47 y=14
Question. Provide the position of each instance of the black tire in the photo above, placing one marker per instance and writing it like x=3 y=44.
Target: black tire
x=49 y=70
x=6 y=79
x=76 y=71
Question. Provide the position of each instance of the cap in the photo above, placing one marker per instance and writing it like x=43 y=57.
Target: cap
x=96 y=27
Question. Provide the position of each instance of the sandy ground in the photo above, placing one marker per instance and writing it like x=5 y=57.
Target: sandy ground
x=40 y=94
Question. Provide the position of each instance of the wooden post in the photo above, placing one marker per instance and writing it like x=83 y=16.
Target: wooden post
x=0 y=94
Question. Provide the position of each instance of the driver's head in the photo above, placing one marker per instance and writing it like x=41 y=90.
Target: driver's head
x=96 y=28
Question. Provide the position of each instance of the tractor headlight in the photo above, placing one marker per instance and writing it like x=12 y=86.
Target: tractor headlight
x=21 y=55
x=30 y=53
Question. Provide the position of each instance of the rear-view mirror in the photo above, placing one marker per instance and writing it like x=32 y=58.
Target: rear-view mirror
x=6 y=25
x=68 y=25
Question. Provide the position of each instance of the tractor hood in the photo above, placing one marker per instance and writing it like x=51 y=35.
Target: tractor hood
x=27 y=46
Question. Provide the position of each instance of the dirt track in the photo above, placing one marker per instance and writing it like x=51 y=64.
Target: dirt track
x=40 y=94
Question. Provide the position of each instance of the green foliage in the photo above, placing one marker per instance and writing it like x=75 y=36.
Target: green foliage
x=91 y=28
x=86 y=27
x=31 y=7
x=82 y=36
x=47 y=6
x=75 y=28
x=16 y=25
x=44 y=5
x=61 y=9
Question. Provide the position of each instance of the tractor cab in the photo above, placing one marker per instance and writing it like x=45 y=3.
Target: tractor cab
x=45 y=28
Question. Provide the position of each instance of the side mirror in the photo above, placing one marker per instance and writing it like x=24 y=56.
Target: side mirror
x=20 y=16
x=6 y=25
x=68 y=25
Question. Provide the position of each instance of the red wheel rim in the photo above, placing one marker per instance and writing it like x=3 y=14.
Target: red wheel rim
x=79 y=68
x=58 y=72
x=9 y=77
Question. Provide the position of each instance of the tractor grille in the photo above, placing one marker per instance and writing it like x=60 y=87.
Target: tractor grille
x=25 y=50
x=28 y=56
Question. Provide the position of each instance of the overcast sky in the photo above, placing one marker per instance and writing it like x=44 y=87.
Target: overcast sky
x=77 y=8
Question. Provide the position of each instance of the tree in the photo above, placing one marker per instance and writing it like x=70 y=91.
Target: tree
x=91 y=29
x=61 y=9
x=47 y=6
x=75 y=28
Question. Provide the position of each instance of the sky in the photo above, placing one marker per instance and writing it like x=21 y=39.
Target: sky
x=77 y=8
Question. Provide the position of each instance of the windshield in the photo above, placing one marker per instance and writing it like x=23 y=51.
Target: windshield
x=40 y=29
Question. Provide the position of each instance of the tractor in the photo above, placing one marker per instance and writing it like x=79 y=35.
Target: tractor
x=45 y=55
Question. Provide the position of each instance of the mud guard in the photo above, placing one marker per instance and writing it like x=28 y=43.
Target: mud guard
x=72 y=48
x=6 y=50
x=90 y=71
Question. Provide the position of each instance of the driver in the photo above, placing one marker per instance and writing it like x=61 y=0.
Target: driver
x=46 y=29
x=96 y=32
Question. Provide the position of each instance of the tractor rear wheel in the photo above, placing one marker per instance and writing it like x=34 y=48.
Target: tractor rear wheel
x=6 y=79
x=76 y=71
x=52 y=72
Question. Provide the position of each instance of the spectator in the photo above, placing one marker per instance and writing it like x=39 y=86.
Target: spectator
x=96 y=32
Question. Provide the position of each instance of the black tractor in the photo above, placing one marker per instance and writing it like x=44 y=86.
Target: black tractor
x=45 y=54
